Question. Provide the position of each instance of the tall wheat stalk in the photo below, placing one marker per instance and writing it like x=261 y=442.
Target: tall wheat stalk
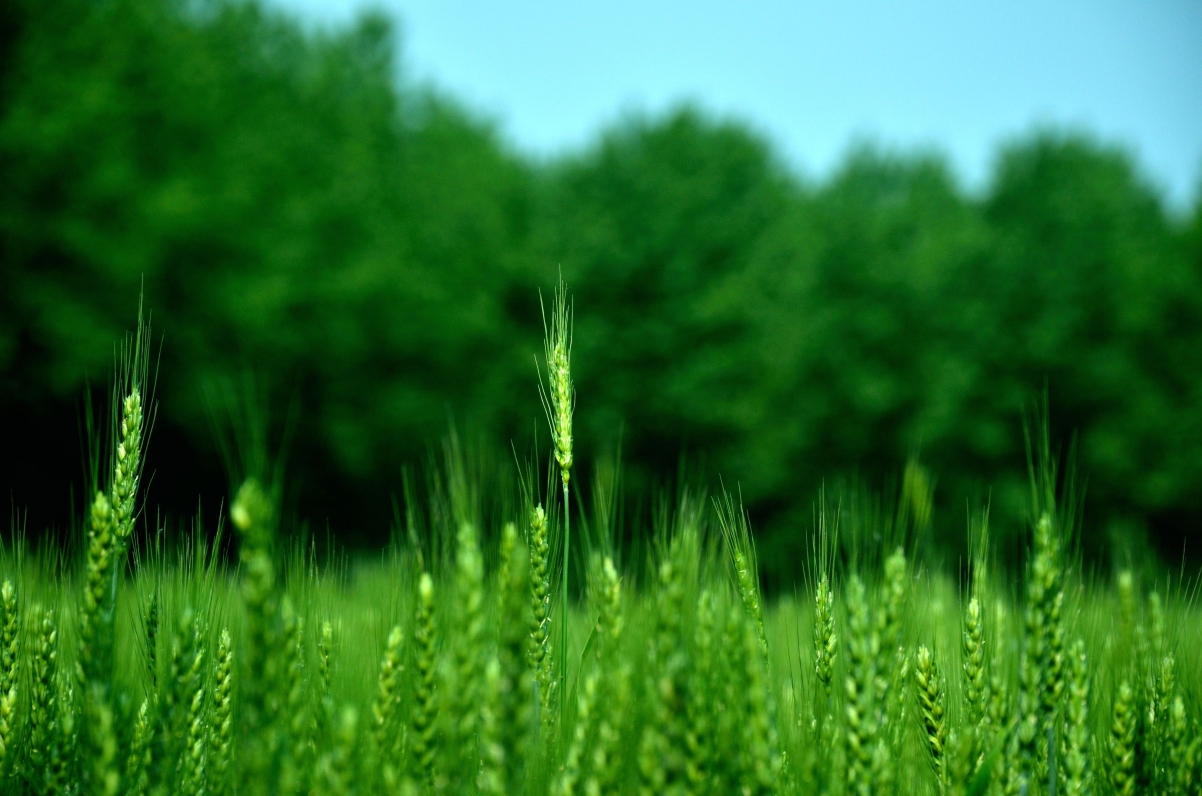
x=559 y=402
x=9 y=665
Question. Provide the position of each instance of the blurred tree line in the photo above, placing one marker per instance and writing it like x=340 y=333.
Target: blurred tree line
x=373 y=252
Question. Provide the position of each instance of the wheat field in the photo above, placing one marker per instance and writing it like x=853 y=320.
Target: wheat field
x=494 y=651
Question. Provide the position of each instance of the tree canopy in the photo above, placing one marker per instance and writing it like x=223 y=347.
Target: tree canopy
x=292 y=205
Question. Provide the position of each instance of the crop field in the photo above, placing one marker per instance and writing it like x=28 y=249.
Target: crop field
x=510 y=642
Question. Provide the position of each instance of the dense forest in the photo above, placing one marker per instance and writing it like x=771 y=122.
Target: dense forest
x=298 y=212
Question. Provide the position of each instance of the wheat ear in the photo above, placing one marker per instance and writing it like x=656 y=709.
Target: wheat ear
x=425 y=710
x=540 y=604
x=1121 y=748
x=43 y=709
x=223 y=710
x=826 y=641
x=137 y=766
x=932 y=708
x=388 y=697
x=1077 y=736
x=9 y=664
x=863 y=647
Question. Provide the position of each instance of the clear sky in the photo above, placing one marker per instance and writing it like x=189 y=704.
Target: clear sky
x=814 y=77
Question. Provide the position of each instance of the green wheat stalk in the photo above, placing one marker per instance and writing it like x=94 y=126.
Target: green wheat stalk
x=559 y=402
x=863 y=648
x=137 y=766
x=9 y=670
x=826 y=640
x=1121 y=746
x=932 y=710
x=296 y=725
x=325 y=677
x=425 y=710
x=1077 y=734
x=223 y=711
x=466 y=674
x=43 y=708
x=387 y=701
x=540 y=605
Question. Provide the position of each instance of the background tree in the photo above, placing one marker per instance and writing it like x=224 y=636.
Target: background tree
x=294 y=206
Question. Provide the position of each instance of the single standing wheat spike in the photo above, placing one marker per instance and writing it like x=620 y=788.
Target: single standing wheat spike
x=195 y=753
x=863 y=647
x=975 y=684
x=177 y=696
x=559 y=400
x=9 y=662
x=137 y=766
x=469 y=658
x=388 y=697
x=97 y=581
x=891 y=663
x=1045 y=625
x=749 y=591
x=425 y=708
x=1123 y=726
x=9 y=636
x=295 y=717
x=609 y=606
x=1177 y=761
x=826 y=642
x=999 y=693
x=325 y=643
x=43 y=709
x=1077 y=737
x=932 y=708
x=127 y=468
x=1027 y=733
x=893 y=667
x=540 y=605
x=223 y=709
x=1041 y=665
x=8 y=717
x=252 y=513
x=1159 y=690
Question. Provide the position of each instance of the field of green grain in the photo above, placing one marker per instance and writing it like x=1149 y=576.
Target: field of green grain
x=462 y=660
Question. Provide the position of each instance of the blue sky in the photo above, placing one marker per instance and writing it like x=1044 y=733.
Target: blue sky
x=815 y=77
